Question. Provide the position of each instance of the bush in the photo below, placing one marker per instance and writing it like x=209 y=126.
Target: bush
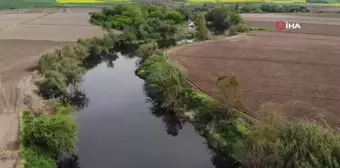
x=236 y=19
x=269 y=8
x=53 y=134
x=306 y=144
x=233 y=31
x=54 y=84
x=145 y=51
x=77 y=52
x=164 y=82
x=175 y=16
x=236 y=29
x=72 y=70
x=34 y=158
x=50 y=61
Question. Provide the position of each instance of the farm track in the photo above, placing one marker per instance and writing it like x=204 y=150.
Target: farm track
x=297 y=70
x=24 y=37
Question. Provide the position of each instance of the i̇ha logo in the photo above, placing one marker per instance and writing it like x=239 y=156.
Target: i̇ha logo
x=283 y=25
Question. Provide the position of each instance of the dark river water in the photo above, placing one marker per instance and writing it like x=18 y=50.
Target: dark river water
x=118 y=130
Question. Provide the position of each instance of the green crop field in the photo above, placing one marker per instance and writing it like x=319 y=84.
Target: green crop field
x=8 y=4
x=250 y=1
x=26 y=3
x=89 y=1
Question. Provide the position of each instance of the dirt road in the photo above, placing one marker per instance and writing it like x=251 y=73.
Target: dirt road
x=23 y=38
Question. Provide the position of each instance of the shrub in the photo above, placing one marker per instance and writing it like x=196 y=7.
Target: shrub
x=34 y=158
x=236 y=29
x=48 y=61
x=145 y=51
x=53 y=134
x=54 y=84
x=236 y=18
x=233 y=31
x=175 y=16
x=306 y=144
x=77 y=52
x=164 y=82
x=72 y=70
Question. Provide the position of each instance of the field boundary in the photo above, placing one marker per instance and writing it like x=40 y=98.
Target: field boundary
x=200 y=89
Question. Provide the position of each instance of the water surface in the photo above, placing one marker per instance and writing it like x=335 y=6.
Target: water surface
x=118 y=130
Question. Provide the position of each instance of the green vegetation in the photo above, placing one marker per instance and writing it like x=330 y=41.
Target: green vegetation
x=269 y=8
x=14 y=4
x=166 y=84
x=145 y=22
x=250 y=144
x=325 y=1
x=46 y=137
x=164 y=25
x=302 y=144
x=202 y=29
x=145 y=51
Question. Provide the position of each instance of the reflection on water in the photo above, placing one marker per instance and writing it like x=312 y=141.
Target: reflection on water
x=117 y=128
x=77 y=98
x=172 y=123
x=70 y=162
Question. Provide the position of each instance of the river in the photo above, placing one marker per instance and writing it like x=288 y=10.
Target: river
x=119 y=127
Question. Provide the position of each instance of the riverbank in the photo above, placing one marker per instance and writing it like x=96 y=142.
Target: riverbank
x=167 y=85
x=238 y=139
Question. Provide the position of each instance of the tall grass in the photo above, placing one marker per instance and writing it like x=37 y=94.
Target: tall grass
x=10 y=100
x=164 y=81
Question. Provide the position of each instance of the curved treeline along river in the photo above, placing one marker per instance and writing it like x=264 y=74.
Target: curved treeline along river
x=118 y=125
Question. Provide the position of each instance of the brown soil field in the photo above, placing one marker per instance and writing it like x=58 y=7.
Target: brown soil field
x=309 y=24
x=20 y=56
x=48 y=26
x=24 y=37
x=298 y=71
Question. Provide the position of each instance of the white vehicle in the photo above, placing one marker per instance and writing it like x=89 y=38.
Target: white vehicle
x=191 y=26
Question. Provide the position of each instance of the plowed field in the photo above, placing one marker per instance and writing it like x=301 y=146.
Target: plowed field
x=299 y=71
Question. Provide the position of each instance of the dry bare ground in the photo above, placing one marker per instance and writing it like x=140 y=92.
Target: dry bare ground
x=23 y=38
x=298 y=71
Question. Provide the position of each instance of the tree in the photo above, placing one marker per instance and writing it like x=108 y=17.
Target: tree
x=202 y=32
x=175 y=16
x=167 y=30
x=219 y=19
x=157 y=14
x=230 y=89
x=186 y=12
